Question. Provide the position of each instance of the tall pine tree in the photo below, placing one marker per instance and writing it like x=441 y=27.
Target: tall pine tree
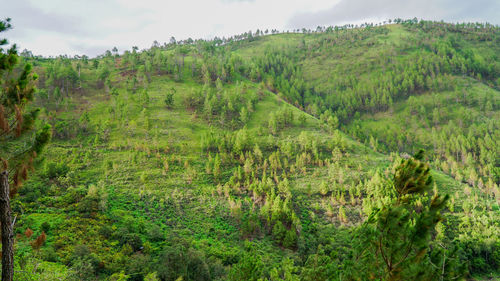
x=20 y=142
x=398 y=234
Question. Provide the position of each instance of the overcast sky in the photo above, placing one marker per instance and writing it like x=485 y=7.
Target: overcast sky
x=54 y=27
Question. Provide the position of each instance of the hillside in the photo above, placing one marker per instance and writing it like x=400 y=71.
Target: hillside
x=263 y=156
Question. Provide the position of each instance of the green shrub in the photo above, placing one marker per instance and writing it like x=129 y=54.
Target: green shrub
x=54 y=170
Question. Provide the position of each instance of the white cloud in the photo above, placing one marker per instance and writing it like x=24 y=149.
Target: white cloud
x=359 y=11
x=54 y=27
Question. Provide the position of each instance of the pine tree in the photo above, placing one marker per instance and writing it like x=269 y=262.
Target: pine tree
x=272 y=123
x=244 y=115
x=20 y=141
x=399 y=232
x=412 y=176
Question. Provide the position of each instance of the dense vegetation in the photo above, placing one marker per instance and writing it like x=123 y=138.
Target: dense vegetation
x=282 y=156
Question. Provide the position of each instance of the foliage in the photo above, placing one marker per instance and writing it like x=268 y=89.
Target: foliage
x=271 y=156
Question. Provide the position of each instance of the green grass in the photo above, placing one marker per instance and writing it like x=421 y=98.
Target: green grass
x=118 y=178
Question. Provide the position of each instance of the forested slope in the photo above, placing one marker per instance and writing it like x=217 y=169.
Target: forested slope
x=269 y=156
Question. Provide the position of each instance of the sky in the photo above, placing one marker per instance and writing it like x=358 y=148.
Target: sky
x=90 y=27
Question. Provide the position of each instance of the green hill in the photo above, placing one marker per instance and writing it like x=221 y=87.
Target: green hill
x=263 y=156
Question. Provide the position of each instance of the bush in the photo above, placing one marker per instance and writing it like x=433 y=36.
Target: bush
x=106 y=231
x=279 y=231
x=137 y=266
x=45 y=227
x=54 y=170
x=251 y=225
x=155 y=233
x=290 y=240
x=82 y=270
x=181 y=261
x=125 y=237
x=134 y=241
x=49 y=254
x=169 y=99
x=88 y=207
x=250 y=267
x=193 y=100
x=74 y=195
x=81 y=251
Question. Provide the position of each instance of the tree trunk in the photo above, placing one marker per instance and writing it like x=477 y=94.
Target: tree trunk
x=7 y=233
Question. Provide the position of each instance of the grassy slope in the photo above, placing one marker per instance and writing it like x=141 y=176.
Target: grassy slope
x=128 y=167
